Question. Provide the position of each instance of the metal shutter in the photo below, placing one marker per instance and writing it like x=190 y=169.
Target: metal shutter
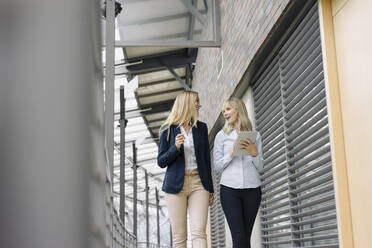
x=298 y=206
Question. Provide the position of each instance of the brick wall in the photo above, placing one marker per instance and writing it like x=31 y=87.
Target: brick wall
x=245 y=25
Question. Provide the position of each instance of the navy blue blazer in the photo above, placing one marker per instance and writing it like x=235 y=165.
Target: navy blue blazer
x=174 y=160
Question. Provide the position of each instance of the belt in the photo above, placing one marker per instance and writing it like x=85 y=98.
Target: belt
x=191 y=173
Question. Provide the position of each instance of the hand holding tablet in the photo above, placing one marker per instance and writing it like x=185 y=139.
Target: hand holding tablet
x=241 y=139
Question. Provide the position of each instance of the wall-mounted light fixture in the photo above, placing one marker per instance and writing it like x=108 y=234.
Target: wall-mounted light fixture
x=118 y=9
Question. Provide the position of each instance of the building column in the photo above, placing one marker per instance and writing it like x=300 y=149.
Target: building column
x=52 y=126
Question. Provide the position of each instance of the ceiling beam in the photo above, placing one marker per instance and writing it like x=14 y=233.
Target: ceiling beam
x=167 y=43
x=157 y=19
x=191 y=24
x=184 y=85
x=190 y=37
x=179 y=59
x=155 y=127
x=174 y=35
x=161 y=92
x=156 y=55
x=156 y=120
x=205 y=5
x=195 y=12
x=169 y=80
x=158 y=107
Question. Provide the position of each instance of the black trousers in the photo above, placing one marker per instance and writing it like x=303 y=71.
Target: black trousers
x=240 y=207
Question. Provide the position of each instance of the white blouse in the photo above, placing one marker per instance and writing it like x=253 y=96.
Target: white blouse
x=189 y=150
x=239 y=172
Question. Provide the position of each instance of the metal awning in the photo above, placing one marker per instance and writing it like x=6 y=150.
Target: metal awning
x=168 y=23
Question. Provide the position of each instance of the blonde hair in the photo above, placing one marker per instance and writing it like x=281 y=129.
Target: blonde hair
x=183 y=111
x=242 y=115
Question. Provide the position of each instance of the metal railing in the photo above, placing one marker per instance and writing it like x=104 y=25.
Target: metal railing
x=116 y=234
x=151 y=245
x=120 y=236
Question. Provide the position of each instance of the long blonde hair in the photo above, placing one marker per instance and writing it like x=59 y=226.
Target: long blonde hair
x=183 y=111
x=239 y=106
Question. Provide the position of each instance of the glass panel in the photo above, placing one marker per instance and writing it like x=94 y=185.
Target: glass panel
x=167 y=20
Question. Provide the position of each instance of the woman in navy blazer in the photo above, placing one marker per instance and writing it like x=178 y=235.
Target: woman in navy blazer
x=184 y=151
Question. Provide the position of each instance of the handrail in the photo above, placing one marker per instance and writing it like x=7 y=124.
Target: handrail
x=150 y=245
x=119 y=236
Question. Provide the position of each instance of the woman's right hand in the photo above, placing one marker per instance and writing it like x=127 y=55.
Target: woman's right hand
x=179 y=141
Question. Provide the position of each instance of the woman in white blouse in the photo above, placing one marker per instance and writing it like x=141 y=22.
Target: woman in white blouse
x=240 y=191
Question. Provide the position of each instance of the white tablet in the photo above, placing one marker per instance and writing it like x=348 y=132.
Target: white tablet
x=242 y=136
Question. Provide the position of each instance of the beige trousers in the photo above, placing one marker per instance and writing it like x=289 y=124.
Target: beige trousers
x=195 y=198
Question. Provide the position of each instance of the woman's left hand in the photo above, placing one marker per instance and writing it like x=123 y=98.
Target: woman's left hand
x=251 y=148
x=211 y=199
